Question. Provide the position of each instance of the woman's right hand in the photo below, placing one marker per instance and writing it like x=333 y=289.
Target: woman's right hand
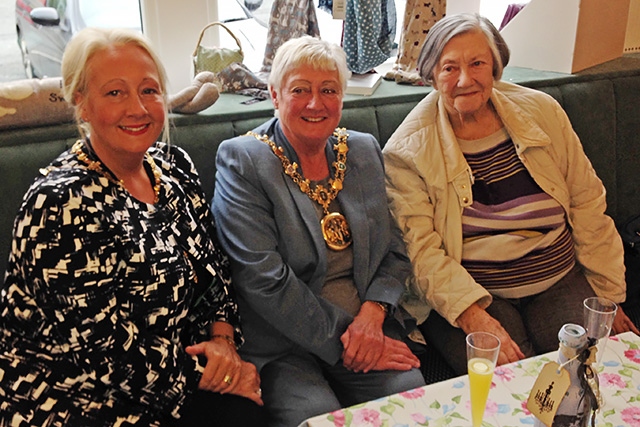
x=237 y=377
x=476 y=319
x=223 y=366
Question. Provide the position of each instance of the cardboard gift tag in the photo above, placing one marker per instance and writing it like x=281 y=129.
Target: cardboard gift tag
x=339 y=9
x=548 y=391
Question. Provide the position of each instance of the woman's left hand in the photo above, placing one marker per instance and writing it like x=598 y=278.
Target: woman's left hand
x=622 y=323
x=249 y=384
x=222 y=372
x=363 y=341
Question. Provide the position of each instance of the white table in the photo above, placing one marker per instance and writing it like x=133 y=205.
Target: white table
x=447 y=403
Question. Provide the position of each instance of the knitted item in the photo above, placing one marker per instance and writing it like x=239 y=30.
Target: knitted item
x=404 y=77
x=201 y=94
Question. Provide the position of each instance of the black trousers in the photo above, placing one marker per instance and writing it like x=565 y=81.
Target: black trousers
x=207 y=409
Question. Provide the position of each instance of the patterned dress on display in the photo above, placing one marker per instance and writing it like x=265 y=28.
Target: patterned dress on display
x=289 y=19
x=419 y=17
x=369 y=31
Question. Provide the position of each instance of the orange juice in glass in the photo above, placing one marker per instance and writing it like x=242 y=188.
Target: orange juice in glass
x=482 y=353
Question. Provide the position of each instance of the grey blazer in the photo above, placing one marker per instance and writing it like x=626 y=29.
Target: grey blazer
x=271 y=232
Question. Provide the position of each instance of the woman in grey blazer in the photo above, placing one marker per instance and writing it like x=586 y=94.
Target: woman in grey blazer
x=317 y=260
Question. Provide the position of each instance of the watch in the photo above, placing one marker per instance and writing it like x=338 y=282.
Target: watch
x=383 y=306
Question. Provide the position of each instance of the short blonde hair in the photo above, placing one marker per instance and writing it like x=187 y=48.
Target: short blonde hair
x=306 y=50
x=91 y=41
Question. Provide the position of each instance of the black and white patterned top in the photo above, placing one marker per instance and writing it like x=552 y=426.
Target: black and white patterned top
x=103 y=293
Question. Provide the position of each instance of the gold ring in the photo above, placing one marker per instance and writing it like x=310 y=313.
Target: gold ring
x=227 y=379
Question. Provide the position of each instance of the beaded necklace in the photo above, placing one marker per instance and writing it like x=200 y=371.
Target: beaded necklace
x=96 y=165
x=335 y=228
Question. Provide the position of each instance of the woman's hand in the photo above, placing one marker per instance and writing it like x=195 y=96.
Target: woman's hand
x=396 y=356
x=476 y=319
x=225 y=372
x=622 y=323
x=222 y=371
x=363 y=340
x=248 y=384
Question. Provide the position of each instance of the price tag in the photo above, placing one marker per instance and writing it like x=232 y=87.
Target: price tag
x=548 y=391
x=339 y=9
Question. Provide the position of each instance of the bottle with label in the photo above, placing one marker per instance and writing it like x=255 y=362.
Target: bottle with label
x=574 y=409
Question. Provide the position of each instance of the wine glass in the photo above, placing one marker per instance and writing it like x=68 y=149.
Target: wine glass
x=482 y=354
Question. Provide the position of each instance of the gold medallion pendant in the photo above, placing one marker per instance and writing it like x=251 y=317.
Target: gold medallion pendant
x=335 y=231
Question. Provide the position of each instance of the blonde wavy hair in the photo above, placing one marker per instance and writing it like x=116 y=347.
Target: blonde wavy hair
x=89 y=42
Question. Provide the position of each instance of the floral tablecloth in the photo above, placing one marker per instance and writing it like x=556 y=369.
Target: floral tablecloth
x=447 y=403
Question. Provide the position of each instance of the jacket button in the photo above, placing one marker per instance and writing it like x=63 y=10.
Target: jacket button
x=465 y=200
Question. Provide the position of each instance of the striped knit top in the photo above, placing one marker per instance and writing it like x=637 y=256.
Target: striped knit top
x=516 y=241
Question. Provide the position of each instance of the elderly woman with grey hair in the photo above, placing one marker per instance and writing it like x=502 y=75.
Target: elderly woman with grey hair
x=501 y=210
x=318 y=263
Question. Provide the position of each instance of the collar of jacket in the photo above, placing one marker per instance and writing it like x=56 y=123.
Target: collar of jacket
x=522 y=129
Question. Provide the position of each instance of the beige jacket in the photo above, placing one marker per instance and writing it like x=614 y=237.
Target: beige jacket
x=429 y=183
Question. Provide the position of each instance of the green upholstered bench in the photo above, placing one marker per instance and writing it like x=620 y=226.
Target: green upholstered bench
x=603 y=104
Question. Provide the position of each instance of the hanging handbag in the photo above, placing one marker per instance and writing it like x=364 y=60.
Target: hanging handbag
x=230 y=74
x=215 y=59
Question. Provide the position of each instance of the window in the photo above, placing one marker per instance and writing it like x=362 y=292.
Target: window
x=248 y=19
x=253 y=28
x=42 y=29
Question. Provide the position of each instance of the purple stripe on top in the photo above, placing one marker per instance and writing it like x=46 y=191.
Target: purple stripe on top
x=533 y=268
x=506 y=200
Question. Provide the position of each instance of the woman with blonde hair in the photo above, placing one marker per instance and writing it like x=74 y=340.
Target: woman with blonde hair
x=318 y=263
x=117 y=306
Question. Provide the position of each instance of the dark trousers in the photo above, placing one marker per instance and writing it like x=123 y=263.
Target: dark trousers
x=298 y=386
x=207 y=409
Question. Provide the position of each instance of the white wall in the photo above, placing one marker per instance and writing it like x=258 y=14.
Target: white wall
x=492 y=9
x=174 y=28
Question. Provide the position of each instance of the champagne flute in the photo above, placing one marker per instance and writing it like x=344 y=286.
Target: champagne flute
x=598 y=318
x=482 y=354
